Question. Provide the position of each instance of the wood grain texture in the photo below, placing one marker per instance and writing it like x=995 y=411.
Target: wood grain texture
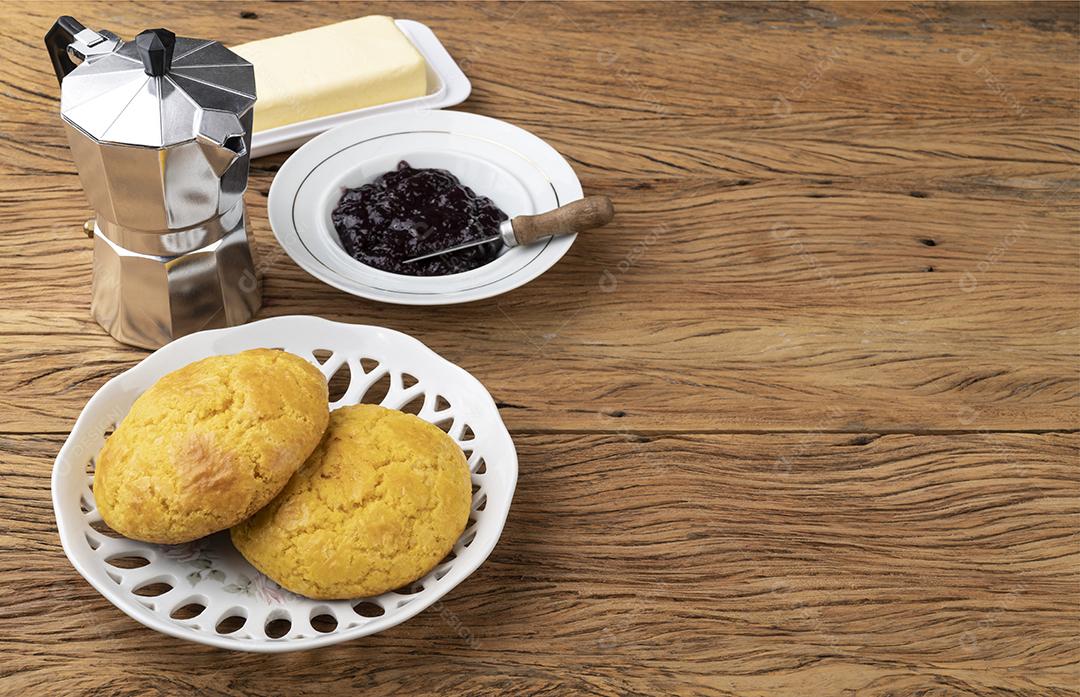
x=802 y=420
x=784 y=253
x=691 y=564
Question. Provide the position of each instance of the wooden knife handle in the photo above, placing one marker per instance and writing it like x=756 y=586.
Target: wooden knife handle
x=589 y=212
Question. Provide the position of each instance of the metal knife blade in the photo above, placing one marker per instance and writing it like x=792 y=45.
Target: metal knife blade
x=456 y=248
x=584 y=214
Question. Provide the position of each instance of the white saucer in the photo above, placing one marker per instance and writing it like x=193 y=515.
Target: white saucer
x=521 y=173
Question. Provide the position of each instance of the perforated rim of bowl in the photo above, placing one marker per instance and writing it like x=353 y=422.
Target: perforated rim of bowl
x=152 y=583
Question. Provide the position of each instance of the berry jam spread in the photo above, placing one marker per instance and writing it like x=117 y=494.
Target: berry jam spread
x=409 y=212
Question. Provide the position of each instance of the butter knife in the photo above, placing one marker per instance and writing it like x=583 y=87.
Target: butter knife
x=576 y=216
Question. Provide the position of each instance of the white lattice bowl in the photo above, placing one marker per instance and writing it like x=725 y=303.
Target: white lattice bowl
x=158 y=585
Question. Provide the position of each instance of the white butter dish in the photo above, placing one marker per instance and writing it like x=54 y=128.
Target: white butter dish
x=446 y=86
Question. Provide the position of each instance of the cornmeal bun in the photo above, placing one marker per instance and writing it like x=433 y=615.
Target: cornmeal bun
x=209 y=444
x=378 y=504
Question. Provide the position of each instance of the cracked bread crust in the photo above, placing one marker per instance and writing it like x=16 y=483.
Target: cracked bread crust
x=209 y=444
x=379 y=503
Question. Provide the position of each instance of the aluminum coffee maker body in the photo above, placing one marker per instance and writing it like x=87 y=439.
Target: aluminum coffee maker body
x=160 y=131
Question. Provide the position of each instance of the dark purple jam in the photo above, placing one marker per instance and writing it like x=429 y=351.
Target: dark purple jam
x=409 y=212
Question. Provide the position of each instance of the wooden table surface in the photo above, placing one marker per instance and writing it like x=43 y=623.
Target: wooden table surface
x=802 y=421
